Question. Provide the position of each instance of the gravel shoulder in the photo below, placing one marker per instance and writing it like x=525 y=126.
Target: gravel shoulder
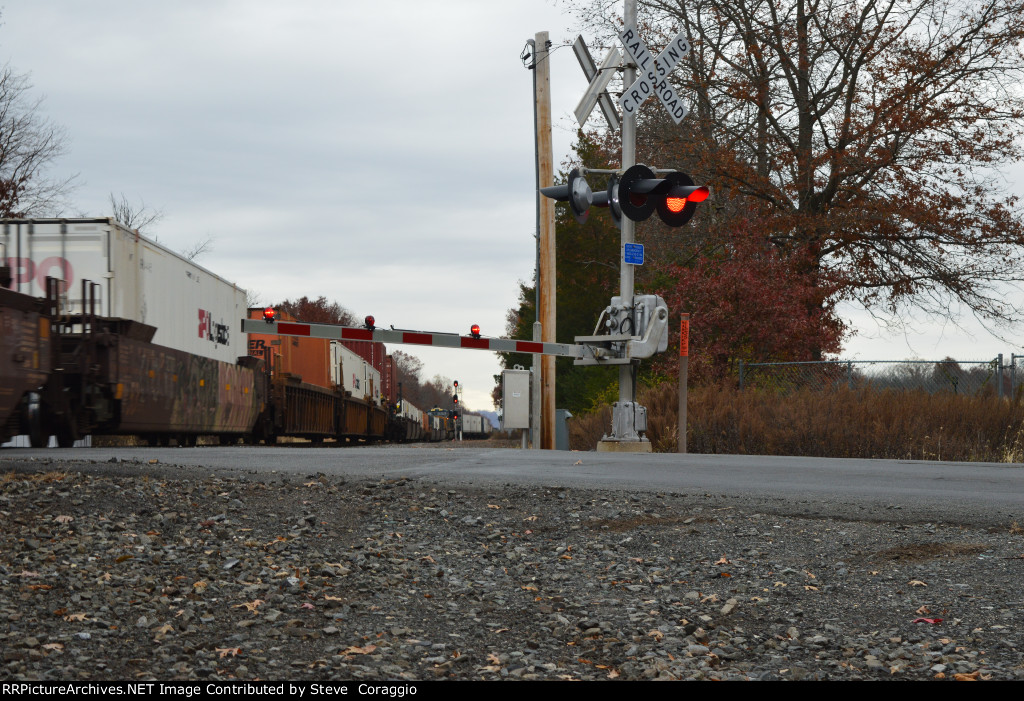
x=155 y=572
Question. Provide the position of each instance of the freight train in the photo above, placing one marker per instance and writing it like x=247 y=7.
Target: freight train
x=151 y=350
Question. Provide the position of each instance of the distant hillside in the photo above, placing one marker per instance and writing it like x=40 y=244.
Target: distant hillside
x=491 y=416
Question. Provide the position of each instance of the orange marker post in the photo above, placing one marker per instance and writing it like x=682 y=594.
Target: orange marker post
x=684 y=370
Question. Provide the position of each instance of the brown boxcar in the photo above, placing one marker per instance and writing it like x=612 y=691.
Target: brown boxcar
x=25 y=356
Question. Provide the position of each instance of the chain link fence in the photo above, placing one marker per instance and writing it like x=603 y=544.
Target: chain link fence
x=967 y=377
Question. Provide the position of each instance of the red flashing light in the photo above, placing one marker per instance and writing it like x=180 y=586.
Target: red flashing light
x=474 y=330
x=369 y=321
x=268 y=315
x=699 y=195
x=675 y=204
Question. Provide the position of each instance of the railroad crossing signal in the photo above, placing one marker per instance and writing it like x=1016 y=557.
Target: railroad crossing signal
x=635 y=196
x=599 y=79
x=654 y=74
x=675 y=196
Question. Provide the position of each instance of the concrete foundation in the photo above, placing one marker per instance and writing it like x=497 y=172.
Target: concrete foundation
x=641 y=446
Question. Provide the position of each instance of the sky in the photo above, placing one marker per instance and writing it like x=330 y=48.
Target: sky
x=379 y=155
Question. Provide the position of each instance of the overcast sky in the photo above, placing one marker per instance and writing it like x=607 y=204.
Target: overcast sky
x=379 y=155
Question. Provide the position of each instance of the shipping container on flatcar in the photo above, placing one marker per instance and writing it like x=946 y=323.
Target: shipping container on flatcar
x=192 y=309
x=372 y=352
x=388 y=381
x=354 y=374
x=306 y=360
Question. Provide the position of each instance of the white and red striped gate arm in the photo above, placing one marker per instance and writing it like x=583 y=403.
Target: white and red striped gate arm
x=437 y=340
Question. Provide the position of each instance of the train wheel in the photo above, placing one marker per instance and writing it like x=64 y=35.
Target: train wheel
x=65 y=438
x=37 y=436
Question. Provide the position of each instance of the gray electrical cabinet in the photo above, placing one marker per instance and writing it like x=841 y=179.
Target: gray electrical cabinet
x=515 y=399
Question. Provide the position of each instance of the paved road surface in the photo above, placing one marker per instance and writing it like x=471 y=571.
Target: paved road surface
x=970 y=492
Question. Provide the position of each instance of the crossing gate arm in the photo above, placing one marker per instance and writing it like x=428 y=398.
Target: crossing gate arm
x=436 y=340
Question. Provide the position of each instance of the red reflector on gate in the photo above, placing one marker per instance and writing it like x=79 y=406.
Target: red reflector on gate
x=481 y=343
x=424 y=339
x=527 y=347
x=292 y=329
x=356 y=335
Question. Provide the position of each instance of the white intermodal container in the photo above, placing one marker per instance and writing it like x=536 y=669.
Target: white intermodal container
x=354 y=374
x=472 y=423
x=411 y=412
x=192 y=309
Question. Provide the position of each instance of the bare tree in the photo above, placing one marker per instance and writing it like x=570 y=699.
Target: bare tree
x=29 y=144
x=138 y=217
x=198 y=248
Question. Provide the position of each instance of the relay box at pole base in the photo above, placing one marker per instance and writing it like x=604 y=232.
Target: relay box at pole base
x=515 y=399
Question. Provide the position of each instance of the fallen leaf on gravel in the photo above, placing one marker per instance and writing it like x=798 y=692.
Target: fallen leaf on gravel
x=72 y=617
x=251 y=606
x=578 y=462
x=354 y=650
x=64 y=519
x=612 y=674
x=493 y=506
x=780 y=584
x=528 y=518
x=808 y=587
x=308 y=605
x=36 y=587
x=199 y=586
x=493 y=659
x=723 y=561
x=927 y=620
x=53 y=646
x=226 y=651
x=923 y=610
x=328 y=597
x=917 y=583
x=656 y=634
x=25 y=573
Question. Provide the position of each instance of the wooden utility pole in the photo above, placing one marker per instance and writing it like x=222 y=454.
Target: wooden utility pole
x=546 y=274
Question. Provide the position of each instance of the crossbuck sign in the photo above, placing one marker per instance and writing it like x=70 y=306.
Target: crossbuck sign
x=654 y=74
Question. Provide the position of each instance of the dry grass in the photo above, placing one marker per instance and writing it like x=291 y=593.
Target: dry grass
x=841 y=423
x=44 y=477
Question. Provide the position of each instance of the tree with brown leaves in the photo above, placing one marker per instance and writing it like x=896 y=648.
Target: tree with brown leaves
x=871 y=137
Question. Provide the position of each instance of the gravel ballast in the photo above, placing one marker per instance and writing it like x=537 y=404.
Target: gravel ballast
x=152 y=572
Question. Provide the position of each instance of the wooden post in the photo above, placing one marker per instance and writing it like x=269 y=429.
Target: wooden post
x=546 y=283
x=684 y=371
